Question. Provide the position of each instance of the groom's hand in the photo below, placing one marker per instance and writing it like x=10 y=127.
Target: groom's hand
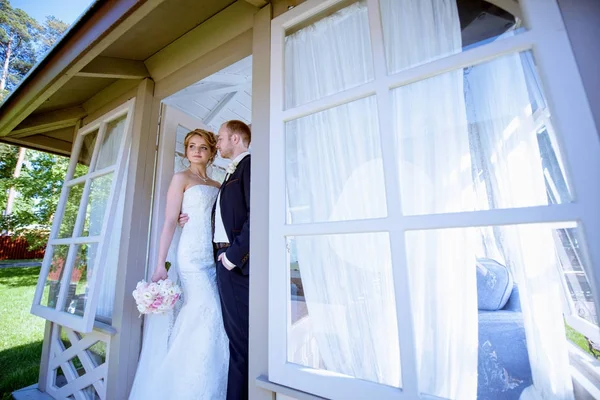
x=225 y=261
x=183 y=219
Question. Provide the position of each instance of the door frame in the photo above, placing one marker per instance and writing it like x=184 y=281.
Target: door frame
x=170 y=119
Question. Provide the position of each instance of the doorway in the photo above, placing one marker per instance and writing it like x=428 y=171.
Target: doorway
x=223 y=96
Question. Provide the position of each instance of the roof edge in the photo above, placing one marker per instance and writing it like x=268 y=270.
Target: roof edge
x=101 y=24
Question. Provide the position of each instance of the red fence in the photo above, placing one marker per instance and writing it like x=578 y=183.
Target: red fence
x=17 y=249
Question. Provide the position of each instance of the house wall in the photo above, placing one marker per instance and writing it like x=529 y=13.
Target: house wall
x=200 y=53
x=124 y=346
x=259 y=203
x=582 y=20
x=110 y=98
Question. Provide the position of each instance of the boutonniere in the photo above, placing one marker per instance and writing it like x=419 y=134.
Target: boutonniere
x=231 y=168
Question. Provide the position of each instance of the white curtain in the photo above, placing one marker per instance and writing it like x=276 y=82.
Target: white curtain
x=106 y=298
x=107 y=156
x=499 y=107
x=432 y=143
x=334 y=173
x=328 y=56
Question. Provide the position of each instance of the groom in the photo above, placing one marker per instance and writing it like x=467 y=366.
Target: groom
x=231 y=239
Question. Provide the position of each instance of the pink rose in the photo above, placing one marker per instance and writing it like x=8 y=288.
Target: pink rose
x=157 y=302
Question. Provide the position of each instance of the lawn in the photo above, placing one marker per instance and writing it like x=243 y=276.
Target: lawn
x=21 y=333
x=578 y=339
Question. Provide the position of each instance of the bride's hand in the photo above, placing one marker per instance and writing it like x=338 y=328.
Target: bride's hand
x=183 y=219
x=159 y=273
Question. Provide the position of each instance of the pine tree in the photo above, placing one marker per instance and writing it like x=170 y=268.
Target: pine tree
x=18 y=34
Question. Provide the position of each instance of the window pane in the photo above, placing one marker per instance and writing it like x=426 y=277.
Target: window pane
x=97 y=203
x=97 y=353
x=82 y=272
x=469 y=139
x=90 y=392
x=71 y=209
x=497 y=290
x=85 y=154
x=572 y=264
x=334 y=170
x=343 y=310
x=55 y=275
x=419 y=31
x=106 y=288
x=109 y=150
x=341 y=43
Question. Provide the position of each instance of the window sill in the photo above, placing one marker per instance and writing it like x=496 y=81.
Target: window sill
x=104 y=328
x=585 y=372
x=264 y=383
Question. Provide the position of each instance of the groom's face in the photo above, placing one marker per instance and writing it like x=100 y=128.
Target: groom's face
x=224 y=143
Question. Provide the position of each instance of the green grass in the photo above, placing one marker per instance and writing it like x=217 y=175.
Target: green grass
x=21 y=334
x=577 y=339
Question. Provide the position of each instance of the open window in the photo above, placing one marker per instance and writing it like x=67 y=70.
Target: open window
x=424 y=193
x=80 y=245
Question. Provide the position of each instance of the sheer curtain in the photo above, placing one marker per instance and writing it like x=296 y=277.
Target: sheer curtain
x=107 y=156
x=334 y=172
x=432 y=143
x=501 y=106
x=328 y=56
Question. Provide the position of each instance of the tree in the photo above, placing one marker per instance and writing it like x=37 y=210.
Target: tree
x=10 y=201
x=39 y=187
x=33 y=179
x=52 y=31
x=18 y=34
x=8 y=162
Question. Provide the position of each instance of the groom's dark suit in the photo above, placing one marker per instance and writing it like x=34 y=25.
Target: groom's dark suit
x=234 y=284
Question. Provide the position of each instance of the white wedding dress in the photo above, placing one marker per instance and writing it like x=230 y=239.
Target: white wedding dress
x=185 y=353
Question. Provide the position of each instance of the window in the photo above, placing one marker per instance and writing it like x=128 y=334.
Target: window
x=411 y=180
x=76 y=284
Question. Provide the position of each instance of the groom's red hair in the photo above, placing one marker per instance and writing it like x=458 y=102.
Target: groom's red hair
x=239 y=127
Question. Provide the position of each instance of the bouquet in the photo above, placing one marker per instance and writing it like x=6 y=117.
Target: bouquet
x=156 y=297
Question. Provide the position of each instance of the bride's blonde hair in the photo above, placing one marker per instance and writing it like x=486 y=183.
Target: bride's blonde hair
x=210 y=139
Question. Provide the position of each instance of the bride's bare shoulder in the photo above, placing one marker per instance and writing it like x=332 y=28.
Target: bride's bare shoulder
x=180 y=178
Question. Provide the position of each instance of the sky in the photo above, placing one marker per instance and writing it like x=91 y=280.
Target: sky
x=66 y=10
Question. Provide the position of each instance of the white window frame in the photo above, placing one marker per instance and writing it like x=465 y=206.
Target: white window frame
x=581 y=325
x=542 y=119
x=84 y=323
x=564 y=92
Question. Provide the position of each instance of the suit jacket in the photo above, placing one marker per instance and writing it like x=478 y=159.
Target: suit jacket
x=235 y=213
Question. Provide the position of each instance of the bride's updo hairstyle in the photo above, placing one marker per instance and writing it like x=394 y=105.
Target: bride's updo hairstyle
x=210 y=139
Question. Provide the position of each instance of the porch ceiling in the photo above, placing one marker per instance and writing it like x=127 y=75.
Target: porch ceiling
x=221 y=97
x=163 y=25
x=114 y=67
x=74 y=92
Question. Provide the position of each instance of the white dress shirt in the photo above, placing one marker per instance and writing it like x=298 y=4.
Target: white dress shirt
x=220 y=235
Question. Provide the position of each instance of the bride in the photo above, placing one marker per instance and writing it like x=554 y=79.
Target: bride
x=187 y=358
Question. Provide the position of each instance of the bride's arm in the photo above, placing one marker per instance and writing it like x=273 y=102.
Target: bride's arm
x=173 y=207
